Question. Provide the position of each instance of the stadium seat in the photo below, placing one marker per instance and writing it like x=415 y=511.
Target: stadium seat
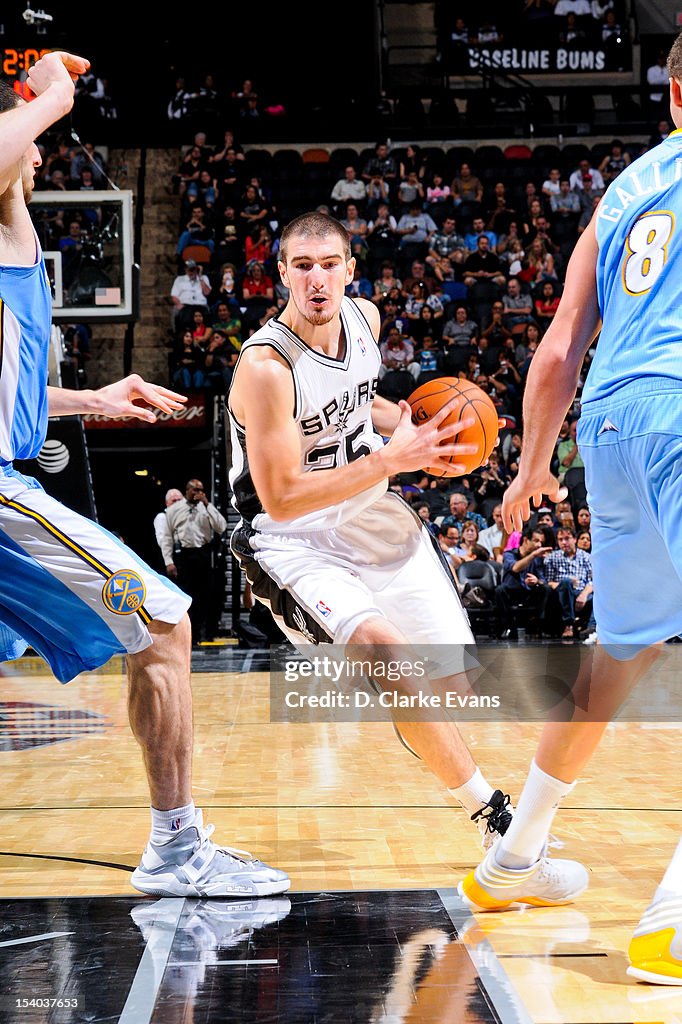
x=286 y=160
x=258 y=161
x=518 y=152
x=315 y=155
x=344 y=156
x=199 y=253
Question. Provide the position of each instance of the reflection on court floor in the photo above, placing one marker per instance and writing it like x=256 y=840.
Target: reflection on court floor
x=342 y=957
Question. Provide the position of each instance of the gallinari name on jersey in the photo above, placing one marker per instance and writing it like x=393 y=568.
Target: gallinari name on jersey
x=632 y=186
x=338 y=410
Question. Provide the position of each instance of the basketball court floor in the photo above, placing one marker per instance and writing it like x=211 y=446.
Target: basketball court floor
x=373 y=930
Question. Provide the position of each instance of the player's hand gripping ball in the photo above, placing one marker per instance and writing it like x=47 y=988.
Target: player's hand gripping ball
x=466 y=400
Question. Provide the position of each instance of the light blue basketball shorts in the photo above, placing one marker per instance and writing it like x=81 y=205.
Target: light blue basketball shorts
x=69 y=588
x=631 y=445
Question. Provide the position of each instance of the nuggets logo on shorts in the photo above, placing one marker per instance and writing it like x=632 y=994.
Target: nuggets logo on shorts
x=124 y=592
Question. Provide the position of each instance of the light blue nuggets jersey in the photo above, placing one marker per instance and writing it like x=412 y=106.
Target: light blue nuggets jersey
x=639 y=274
x=25 y=318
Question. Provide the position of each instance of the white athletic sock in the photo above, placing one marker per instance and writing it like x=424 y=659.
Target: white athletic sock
x=167 y=824
x=671 y=884
x=527 y=834
x=474 y=794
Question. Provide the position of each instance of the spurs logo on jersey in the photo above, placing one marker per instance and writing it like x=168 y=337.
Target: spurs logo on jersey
x=339 y=410
x=333 y=402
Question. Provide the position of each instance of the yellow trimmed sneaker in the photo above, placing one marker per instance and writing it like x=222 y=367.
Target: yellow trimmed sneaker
x=656 y=948
x=550 y=882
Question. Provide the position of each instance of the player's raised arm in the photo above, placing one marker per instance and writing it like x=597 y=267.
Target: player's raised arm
x=51 y=79
x=265 y=391
x=552 y=382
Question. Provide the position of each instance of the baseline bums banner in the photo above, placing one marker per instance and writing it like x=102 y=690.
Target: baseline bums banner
x=547 y=59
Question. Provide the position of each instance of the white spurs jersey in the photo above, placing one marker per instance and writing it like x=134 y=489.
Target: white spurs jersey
x=333 y=405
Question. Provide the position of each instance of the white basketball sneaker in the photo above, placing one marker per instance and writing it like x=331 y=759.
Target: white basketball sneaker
x=549 y=882
x=655 y=951
x=190 y=864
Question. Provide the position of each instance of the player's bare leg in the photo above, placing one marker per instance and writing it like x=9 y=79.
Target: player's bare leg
x=439 y=744
x=180 y=858
x=160 y=712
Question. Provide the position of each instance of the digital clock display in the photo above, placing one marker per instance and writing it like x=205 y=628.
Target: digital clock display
x=14 y=61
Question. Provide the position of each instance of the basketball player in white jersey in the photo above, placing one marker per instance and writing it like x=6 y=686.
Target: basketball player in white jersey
x=624 y=282
x=67 y=586
x=335 y=555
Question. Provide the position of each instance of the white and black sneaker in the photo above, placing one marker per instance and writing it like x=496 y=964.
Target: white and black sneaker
x=494 y=818
x=190 y=864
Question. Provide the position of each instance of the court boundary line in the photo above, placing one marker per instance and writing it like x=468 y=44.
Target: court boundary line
x=502 y=994
x=144 y=989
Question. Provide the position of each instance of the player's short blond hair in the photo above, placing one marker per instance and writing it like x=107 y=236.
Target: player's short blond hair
x=314 y=225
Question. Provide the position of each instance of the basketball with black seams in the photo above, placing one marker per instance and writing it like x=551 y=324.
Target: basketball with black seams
x=467 y=401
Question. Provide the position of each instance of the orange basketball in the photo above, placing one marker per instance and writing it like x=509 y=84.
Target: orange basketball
x=467 y=401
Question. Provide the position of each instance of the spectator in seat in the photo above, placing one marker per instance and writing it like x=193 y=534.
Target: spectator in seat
x=518 y=307
x=477 y=229
x=446 y=243
x=386 y=281
x=584 y=541
x=226 y=319
x=252 y=209
x=658 y=80
x=428 y=323
x=410 y=193
x=382 y=237
x=429 y=358
x=495 y=334
x=397 y=353
x=189 y=291
x=493 y=481
x=256 y=284
x=586 y=178
x=466 y=188
x=569 y=573
x=189 y=363
x=552 y=183
x=357 y=229
x=258 y=246
x=418 y=272
x=438 y=197
x=348 y=189
x=196 y=232
x=523 y=584
x=201 y=329
x=416 y=230
x=568 y=452
x=458 y=513
x=483 y=265
x=491 y=537
x=423 y=510
x=189 y=169
x=382 y=164
x=546 y=304
x=614 y=162
x=461 y=331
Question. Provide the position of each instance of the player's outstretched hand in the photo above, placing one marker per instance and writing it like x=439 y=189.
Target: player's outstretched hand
x=54 y=68
x=116 y=401
x=431 y=443
x=518 y=496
